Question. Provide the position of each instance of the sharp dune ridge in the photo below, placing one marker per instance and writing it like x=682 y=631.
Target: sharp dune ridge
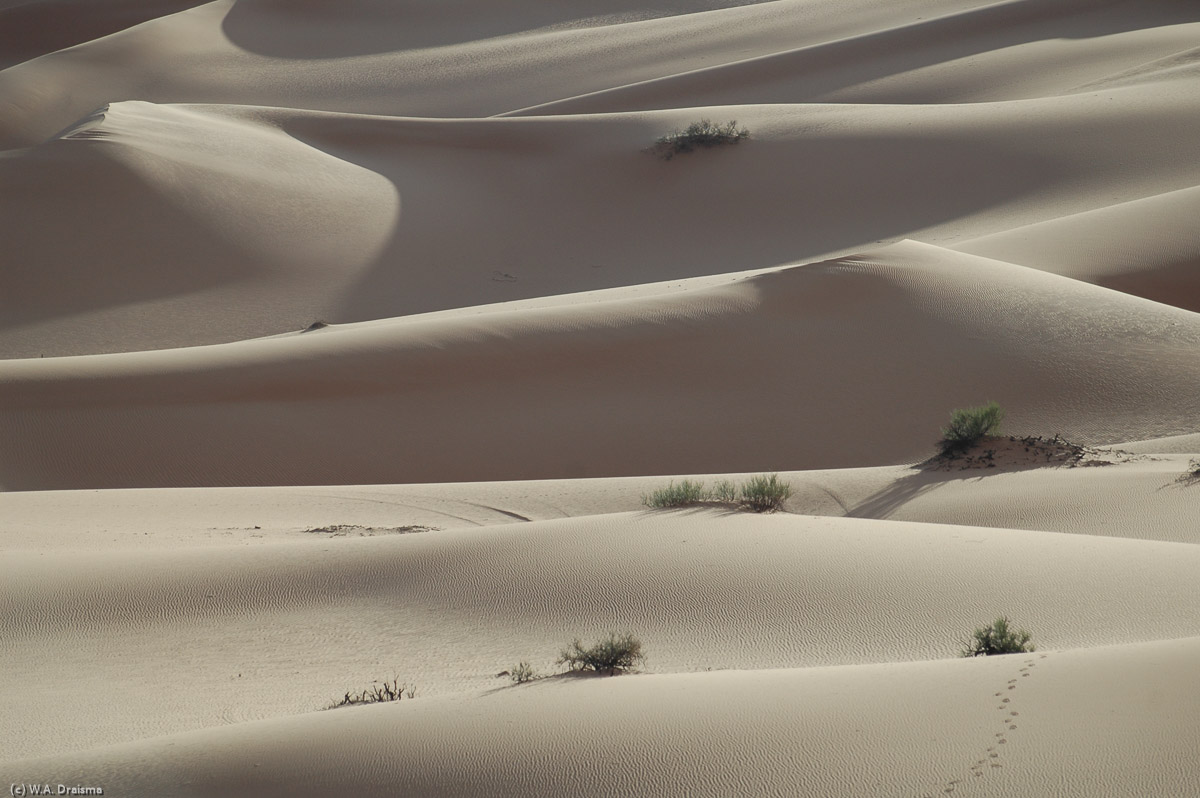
x=346 y=342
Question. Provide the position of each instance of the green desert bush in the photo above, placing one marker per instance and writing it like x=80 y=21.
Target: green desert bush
x=969 y=425
x=685 y=494
x=698 y=134
x=762 y=494
x=725 y=492
x=765 y=493
x=522 y=672
x=997 y=638
x=615 y=654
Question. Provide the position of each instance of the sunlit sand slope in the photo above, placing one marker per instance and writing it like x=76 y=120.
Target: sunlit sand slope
x=783 y=370
x=277 y=629
x=207 y=224
x=1113 y=721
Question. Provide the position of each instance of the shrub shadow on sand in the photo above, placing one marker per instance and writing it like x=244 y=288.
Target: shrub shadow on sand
x=991 y=455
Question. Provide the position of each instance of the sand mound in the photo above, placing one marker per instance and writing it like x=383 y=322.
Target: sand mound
x=447 y=611
x=1037 y=725
x=697 y=381
x=1134 y=247
x=368 y=324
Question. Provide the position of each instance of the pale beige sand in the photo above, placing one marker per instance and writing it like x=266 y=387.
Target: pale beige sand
x=680 y=383
x=1149 y=498
x=533 y=323
x=281 y=628
x=1112 y=721
x=1136 y=247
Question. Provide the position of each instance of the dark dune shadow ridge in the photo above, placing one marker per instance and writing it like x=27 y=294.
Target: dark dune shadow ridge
x=807 y=74
x=312 y=29
x=31 y=29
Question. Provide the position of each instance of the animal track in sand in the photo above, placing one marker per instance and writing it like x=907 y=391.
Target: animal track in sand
x=1008 y=723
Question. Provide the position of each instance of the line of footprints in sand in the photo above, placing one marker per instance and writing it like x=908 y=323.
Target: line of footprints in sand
x=1008 y=722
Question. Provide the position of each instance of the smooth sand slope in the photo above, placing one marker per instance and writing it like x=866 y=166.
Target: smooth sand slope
x=778 y=371
x=222 y=223
x=213 y=524
x=1116 y=721
x=1152 y=497
x=302 y=622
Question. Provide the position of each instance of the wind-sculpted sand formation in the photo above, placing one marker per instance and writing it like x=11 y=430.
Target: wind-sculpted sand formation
x=345 y=344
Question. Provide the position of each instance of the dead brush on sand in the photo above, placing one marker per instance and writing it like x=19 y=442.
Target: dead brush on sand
x=616 y=654
x=377 y=693
x=698 y=134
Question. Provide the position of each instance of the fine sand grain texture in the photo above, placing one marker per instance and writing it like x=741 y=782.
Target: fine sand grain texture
x=343 y=342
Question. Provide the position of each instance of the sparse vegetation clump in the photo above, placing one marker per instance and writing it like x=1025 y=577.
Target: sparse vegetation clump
x=765 y=493
x=969 y=425
x=998 y=638
x=762 y=494
x=698 y=134
x=616 y=654
x=377 y=693
x=522 y=672
x=685 y=494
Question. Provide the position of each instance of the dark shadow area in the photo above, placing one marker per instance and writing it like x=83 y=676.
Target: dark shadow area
x=38 y=27
x=814 y=71
x=883 y=503
x=991 y=456
x=314 y=29
x=60 y=259
x=1177 y=285
x=637 y=222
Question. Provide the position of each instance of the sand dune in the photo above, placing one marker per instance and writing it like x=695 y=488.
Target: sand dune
x=449 y=610
x=342 y=340
x=772 y=372
x=371 y=222
x=1134 y=247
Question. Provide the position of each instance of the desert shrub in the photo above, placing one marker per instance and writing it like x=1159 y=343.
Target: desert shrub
x=377 y=693
x=997 y=638
x=969 y=425
x=725 y=492
x=698 y=134
x=522 y=672
x=764 y=493
x=616 y=653
x=685 y=494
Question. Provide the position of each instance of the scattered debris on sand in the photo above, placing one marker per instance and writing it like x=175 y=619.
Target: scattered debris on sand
x=346 y=530
x=1018 y=453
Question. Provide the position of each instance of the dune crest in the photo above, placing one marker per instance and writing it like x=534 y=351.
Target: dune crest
x=345 y=341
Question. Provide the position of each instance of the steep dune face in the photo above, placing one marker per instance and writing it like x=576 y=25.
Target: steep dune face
x=1136 y=247
x=184 y=225
x=776 y=371
x=367 y=327
x=215 y=223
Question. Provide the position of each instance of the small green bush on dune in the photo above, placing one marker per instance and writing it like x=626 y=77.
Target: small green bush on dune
x=762 y=494
x=998 y=638
x=685 y=494
x=698 y=134
x=522 y=672
x=969 y=425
